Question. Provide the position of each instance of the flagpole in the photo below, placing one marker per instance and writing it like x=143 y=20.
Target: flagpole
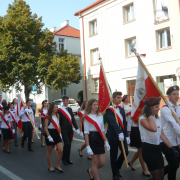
x=122 y=144
x=30 y=118
x=161 y=94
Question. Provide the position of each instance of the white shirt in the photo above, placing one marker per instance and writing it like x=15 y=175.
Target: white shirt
x=23 y=115
x=130 y=123
x=148 y=136
x=88 y=127
x=45 y=111
x=14 y=113
x=56 y=120
x=170 y=127
x=127 y=108
x=118 y=113
x=8 y=118
x=15 y=107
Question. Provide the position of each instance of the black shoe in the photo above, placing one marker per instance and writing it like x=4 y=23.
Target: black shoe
x=64 y=162
x=69 y=162
x=89 y=158
x=22 y=144
x=8 y=152
x=147 y=175
x=3 y=150
x=61 y=171
x=133 y=169
x=32 y=142
x=116 y=177
x=119 y=174
x=51 y=170
x=89 y=175
x=43 y=145
x=79 y=153
x=30 y=149
x=16 y=144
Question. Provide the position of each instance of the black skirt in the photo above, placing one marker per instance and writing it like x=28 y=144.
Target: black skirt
x=7 y=134
x=152 y=156
x=55 y=135
x=83 y=128
x=96 y=143
x=135 y=138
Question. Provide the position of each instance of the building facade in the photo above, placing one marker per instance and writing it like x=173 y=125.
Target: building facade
x=108 y=27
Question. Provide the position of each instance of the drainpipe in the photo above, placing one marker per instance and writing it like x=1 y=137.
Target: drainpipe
x=84 y=56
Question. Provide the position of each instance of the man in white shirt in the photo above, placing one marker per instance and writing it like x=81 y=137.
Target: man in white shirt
x=27 y=126
x=172 y=130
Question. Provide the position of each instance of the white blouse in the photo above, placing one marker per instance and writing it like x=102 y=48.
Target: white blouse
x=8 y=118
x=45 y=111
x=148 y=136
x=88 y=127
x=127 y=108
x=56 y=120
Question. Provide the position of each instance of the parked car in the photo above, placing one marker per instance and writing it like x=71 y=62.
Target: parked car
x=72 y=104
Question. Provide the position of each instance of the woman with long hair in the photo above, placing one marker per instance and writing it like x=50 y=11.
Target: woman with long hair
x=15 y=103
x=6 y=124
x=53 y=136
x=95 y=137
x=81 y=126
x=42 y=113
x=152 y=133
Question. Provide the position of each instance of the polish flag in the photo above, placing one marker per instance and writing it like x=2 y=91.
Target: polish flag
x=144 y=89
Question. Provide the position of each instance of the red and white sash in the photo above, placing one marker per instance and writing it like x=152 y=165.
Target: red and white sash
x=68 y=116
x=95 y=124
x=1 y=108
x=129 y=113
x=42 y=113
x=80 y=114
x=119 y=119
x=7 y=125
x=54 y=123
x=12 y=117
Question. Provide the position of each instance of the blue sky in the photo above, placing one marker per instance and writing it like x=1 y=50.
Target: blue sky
x=53 y=12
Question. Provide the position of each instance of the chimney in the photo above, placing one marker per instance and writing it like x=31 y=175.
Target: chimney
x=64 y=23
x=53 y=29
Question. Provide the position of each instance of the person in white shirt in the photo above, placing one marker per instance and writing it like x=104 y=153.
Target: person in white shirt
x=81 y=127
x=172 y=131
x=95 y=137
x=43 y=111
x=27 y=126
x=53 y=136
x=15 y=103
x=6 y=131
x=150 y=127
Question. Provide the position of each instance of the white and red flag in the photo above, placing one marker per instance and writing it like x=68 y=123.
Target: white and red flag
x=143 y=90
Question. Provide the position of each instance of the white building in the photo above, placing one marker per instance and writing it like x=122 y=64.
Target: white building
x=108 y=26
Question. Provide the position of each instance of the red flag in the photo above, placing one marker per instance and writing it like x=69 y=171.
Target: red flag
x=104 y=98
x=144 y=89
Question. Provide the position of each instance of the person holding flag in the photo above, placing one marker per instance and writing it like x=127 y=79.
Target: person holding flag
x=66 y=119
x=6 y=124
x=172 y=131
x=26 y=123
x=95 y=137
x=117 y=133
x=53 y=136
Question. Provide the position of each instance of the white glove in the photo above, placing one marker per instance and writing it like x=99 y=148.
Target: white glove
x=107 y=145
x=40 y=126
x=128 y=140
x=26 y=111
x=0 y=111
x=60 y=135
x=89 y=150
x=78 y=131
x=81 y=134
x=121 y=137
x=13 y=131
x=50 y=139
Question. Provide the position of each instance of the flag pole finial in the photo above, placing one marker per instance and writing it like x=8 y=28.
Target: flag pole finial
x=132 y=45
x=100 y=58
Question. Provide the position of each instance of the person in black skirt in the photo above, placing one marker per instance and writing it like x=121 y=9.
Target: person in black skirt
x=151 y=132
x=81 y=127
x=42 y=112
x=53 y=136
x=95 y=137
x=6 y=131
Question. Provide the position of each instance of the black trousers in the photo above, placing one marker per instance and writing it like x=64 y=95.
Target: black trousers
x=27 y=128
x=173 y=164
x=67 y=138
x=116 y=163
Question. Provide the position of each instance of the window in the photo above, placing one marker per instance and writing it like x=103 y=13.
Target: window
x=162 y=11
x=96 y=85
x=128 y=12
x=95 y=56
x=64 y=92
x=61 y=43
x=93 y=27
x=129 y=43
x=164 y=38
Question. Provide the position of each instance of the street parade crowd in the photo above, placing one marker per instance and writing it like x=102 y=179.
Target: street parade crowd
x=153 y=135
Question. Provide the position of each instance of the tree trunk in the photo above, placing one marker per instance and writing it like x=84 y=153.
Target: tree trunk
x=27 y=92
